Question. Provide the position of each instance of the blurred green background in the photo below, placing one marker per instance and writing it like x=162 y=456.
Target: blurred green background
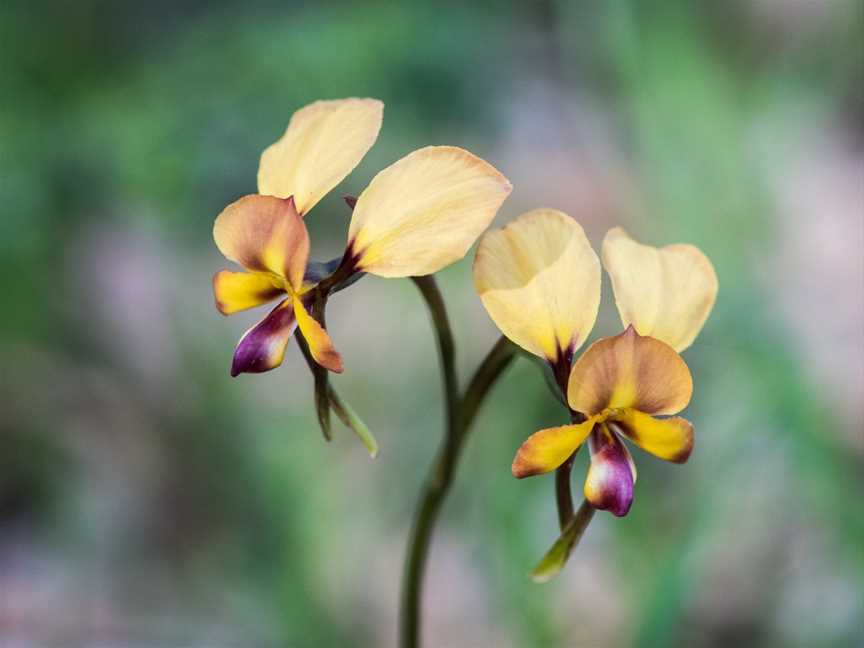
x=148 y=499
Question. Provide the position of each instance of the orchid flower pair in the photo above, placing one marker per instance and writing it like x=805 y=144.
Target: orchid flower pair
x=417 y=216
x=539 y=280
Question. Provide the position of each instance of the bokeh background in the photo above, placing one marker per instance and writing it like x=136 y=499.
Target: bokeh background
x=149 y=500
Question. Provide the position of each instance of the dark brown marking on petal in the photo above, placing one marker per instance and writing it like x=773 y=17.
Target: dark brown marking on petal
x=685 y=453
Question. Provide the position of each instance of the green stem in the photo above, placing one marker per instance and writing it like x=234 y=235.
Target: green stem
x=460 y=415
x=495 y=362
x=446 y=348
x=563 y=498
x=322 y=388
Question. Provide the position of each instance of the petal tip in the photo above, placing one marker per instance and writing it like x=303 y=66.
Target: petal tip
x=521 y=470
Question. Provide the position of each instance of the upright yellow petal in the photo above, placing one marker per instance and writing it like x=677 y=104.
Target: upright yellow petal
x=666 y=293
x=547 y=449
x=629 y=371
x=539 y=280
x=323 y=143
x=423 y=212
x=320 y=344
x=237 y=291
x=264 y=234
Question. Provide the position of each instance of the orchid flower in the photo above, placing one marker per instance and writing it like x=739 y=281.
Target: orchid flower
x=539 y=280
x=417 y=216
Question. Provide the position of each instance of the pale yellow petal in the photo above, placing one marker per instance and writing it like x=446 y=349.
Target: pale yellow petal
x=629 y=370
x=539 y=280
x=323 y=143
x=320 y=344
x=666 y=293
x=423 y=212
x=237 y=291
x=264 y=234
x=547 y=449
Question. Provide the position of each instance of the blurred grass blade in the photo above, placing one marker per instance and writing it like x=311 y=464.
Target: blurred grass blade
x=349 y=417
x=555 y=559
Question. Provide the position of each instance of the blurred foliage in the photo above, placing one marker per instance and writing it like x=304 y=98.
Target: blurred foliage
x=147 y=498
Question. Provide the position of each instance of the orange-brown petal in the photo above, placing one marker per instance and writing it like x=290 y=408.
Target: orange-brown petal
x=264 y=234
x=629 y=371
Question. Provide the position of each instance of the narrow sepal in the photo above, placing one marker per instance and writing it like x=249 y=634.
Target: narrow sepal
x=555 y=559
x=353 y=422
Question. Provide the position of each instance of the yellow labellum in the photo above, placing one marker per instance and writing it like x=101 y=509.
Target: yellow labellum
x=539 y=280
x=666 y=293
x=323 y=143
x=423 y=212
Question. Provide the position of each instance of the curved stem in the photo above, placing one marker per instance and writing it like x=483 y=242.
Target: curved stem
x=460 y=415
x=496 y=361
x=446 y=347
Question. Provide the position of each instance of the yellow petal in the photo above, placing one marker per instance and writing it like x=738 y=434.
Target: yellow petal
x=237 y=291
x=547 y=449
x=539 y=280
x=323 y=143
x=264 y=234
x=670 y=439
x=626 y=371
x=320 y=344
x=666 y=293
x=423 y=212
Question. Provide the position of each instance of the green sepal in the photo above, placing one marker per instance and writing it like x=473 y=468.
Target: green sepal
x=349 y=417
x=555 y=559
